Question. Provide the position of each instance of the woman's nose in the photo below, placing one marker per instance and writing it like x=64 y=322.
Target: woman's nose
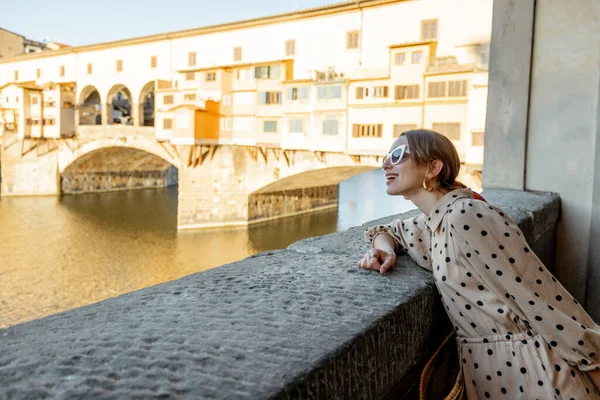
x=385 y=164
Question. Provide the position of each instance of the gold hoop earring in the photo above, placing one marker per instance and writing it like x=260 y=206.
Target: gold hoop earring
x=428 y=189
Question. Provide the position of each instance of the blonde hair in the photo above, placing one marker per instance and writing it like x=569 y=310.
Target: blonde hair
x=426 y=146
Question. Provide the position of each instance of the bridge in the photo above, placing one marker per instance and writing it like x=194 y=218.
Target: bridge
x=220 y=184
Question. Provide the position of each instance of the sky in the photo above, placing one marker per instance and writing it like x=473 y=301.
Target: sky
x=76 y=22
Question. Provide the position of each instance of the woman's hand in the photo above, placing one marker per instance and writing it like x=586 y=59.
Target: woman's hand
x=378 y=260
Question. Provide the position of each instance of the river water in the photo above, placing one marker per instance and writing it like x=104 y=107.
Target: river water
x=59 y=253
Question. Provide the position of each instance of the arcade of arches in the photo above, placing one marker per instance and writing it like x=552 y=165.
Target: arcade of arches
x=118 y=108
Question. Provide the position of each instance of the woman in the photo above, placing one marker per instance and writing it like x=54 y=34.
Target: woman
x=520 y=334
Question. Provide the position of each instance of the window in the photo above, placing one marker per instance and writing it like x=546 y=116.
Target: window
x=38 y=73
x=329 y=92
x=401 y=128
x=270 y=126
x=237 y=54
x=449 y=129
x=290 y=47
x=417 y=57
x=360 y=92
x=50 y=104
x=298 y=93
x=330 y=125
x=243 y=74
x=266 y=98
x=89 y=68
x=406 y=92
x=226 y=101
x=192 y=59
x=168 y=123
x=296 y=126
x=190 y=76
x=16 y=76
x=119 y=65
x=476 y=138
x=400 y=58
x=267 y=72
x=380 y=91
x=457 y=88
x=367 y=130
x=34 y=100
x=189 y=97
x=437 y=89
x=67 y=104
x=226 y=124
x=153 y=61
x=211 y=76
x=168 y=99
x=429 y=29
x=62 y=71
x=49 y=121
x=352 y=40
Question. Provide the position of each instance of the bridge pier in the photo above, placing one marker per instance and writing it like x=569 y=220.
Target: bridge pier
x=28 y=167
x=213 y=192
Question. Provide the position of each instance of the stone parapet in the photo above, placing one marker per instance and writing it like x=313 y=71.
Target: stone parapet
x=303 y=322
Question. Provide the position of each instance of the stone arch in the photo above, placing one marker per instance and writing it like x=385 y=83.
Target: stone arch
x=90 y=106
x=109 y=166
x=146 y=104
x=309 y=190
x=311 y=177
x=68 y=157
x=120 y=105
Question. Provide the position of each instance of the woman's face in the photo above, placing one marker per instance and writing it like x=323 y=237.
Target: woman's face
x=404 y=178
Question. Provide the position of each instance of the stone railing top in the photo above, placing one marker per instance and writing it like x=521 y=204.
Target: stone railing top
x=294 y=323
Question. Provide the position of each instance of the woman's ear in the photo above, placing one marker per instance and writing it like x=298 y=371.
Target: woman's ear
x=436 y=168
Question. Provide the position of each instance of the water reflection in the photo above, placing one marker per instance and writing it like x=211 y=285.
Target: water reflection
x=62 y=253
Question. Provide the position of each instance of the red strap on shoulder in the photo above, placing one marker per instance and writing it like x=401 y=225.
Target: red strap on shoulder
x=477 y=196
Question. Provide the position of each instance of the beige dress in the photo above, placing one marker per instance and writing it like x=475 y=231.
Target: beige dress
x=521 y=335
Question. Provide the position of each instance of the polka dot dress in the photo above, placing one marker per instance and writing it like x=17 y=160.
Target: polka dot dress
x=521 y=335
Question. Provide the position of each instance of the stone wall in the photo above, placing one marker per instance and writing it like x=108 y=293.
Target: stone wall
x=27 y=169
x=265 y=206
x=90 y=182
x=302 y=322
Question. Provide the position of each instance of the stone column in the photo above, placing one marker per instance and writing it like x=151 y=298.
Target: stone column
x=542 y=130
x=135 y=113
x=508 y=95
x=105 y=111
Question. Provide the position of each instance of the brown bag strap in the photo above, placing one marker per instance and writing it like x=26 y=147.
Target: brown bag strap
x=457 y=390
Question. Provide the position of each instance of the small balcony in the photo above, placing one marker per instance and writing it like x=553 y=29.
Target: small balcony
x=436 y=65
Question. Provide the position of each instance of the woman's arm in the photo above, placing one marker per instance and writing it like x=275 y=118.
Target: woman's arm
x=410 y=236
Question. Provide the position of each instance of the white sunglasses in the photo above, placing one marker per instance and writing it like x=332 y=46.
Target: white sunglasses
x=396 y=155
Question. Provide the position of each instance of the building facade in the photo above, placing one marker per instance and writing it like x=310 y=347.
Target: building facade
x=344 y=78
x=13 y=44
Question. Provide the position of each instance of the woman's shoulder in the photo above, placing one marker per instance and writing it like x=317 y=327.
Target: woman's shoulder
x=472 y=208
